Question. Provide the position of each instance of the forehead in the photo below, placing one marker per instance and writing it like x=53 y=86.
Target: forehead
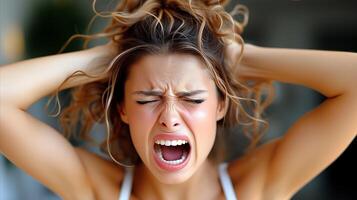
x=175 y=71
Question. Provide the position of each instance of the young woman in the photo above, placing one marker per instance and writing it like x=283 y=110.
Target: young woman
x=174 y=77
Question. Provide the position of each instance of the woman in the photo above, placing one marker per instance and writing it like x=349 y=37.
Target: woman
x=175 y=76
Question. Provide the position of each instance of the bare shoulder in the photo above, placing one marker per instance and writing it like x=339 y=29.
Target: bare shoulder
x=249 y=171
x=105 y=175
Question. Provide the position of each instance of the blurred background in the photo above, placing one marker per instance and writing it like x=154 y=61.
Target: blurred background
x=33 y=28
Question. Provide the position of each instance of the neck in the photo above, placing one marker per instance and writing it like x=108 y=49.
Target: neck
x=148 y=187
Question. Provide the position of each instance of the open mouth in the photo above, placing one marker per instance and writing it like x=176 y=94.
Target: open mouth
x=172 y=154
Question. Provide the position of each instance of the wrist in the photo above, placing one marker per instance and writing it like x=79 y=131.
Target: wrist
x=249 y=53
x=97 y=58
x=248 y=67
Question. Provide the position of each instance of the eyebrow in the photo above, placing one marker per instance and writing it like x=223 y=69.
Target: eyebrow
x=159 y=93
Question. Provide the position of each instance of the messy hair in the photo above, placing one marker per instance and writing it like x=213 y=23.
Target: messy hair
x=149 y=27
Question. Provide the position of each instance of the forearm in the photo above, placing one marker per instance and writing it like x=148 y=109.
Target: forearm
x=25 y=82
x=329 y=72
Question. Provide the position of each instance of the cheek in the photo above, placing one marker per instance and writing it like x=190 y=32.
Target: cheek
x=140 y=115
x=141 y=122
x=203 y=118
x=202 y=122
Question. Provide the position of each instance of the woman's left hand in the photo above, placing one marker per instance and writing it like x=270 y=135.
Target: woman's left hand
x=244 y=72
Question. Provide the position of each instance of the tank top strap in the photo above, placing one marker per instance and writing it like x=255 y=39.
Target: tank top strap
x=127 y=184
x=226 y=182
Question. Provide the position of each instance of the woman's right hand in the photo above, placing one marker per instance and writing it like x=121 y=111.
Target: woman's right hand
x=102 y=57
x=25 y=82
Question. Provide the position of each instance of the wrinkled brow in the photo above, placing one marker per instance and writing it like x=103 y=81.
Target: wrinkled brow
x=179 y=94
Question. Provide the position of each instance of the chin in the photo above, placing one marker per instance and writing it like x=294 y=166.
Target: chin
x=173 y=178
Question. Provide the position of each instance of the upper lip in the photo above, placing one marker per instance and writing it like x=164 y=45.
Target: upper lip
x=170 y=136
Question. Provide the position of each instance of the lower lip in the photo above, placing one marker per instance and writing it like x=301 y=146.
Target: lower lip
x=168 y=167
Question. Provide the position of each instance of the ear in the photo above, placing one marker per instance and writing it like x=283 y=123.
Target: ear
x=121 y=111
x=222 y=109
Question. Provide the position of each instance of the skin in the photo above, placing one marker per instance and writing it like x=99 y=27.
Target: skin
x=267 y=173
x=170 y=112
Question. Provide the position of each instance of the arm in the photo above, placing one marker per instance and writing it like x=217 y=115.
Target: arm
x=321 y=135
x=35 y=78
x=32 y=145
x=331 y=73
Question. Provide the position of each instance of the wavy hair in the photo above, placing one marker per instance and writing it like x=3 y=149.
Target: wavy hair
x=145 y=27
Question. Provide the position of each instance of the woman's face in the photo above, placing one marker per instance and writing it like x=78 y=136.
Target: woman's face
x=171 y=107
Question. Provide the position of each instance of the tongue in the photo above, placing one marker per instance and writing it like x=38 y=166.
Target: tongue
x=172 y=152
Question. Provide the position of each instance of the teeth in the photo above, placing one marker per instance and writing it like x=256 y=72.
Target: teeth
x=171 y=142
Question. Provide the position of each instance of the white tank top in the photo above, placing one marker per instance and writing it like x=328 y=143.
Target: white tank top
x=224 y=178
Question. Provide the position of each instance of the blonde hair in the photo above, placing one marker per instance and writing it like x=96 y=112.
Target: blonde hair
x=142 y=27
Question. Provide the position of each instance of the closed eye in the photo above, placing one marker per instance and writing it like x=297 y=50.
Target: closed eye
x=196 y=101
x=145 y=102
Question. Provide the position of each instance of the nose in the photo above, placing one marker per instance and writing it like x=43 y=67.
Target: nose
x=169 y=118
